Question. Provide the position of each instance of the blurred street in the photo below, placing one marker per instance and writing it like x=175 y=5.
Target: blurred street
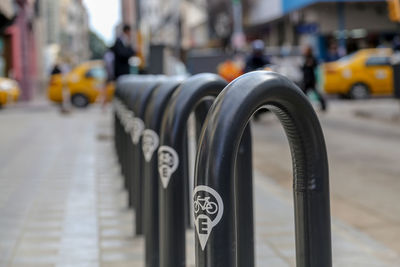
x=67 y=172
x=362 y=140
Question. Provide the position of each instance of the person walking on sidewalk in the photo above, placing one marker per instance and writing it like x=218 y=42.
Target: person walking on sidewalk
x=309 y=79
x=108 y=59
x=123 y=51
x=257 y=59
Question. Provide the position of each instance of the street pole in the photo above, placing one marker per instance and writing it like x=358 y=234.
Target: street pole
x=238 y=38
x=178 y=30
x=342 y=28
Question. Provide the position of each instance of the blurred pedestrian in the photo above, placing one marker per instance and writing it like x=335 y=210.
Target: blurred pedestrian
x=309 y=80
x=257 y=59
x=56 y=70
x=109 y=65
x=59 y=74
x=123 y=51
x=396 y=44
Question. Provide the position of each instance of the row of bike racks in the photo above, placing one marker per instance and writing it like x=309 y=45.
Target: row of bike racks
x=151 y=140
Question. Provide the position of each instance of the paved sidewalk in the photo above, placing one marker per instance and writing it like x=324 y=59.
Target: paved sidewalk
x=61 y=197
x=275 y=233
x=62 y=202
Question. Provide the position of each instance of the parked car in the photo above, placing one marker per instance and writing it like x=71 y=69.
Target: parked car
x=359 y=75
x=9 y=91
x=83 y=84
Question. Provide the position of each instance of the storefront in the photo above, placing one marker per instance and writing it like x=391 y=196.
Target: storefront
x=347 y=25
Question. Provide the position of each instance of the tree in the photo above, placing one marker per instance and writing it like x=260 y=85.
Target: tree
x=97 y=46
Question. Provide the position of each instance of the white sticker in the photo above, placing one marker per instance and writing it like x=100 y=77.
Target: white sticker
x=128 y=121
x=150 y=143
x=168 y=162
x=208 y=209
x=136 y=130
x=119 y=109
x=123 y=114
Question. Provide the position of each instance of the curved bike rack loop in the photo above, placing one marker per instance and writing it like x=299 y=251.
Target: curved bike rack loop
x=128 y=87
x=138 y=103
x=122 y=115
x=218 y=236
x=150 y=141
x=172 y=164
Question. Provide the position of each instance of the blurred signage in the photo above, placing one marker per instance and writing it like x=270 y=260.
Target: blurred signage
x=222 y=25
x=308 y=28
x=291 y=5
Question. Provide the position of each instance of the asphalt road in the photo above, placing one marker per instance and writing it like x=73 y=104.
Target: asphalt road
x=363 y=145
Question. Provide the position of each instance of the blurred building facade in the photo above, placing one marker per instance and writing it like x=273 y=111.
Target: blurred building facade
x=18 y=51
x=34 y=34
x=349 y=24
x=65 y=32
x=286 y=26
x=176 y=24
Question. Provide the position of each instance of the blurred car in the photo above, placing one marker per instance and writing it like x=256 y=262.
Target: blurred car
x=84 y=83
x=9 y=91
x=229 y=70
x=359 y=75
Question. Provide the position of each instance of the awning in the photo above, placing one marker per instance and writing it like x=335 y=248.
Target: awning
x=290 y=5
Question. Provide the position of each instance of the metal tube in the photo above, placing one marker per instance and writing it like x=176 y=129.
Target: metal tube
x=244 y=200
x=150 y=142
x=138 y=105
x=218 y=228
x=171 y=164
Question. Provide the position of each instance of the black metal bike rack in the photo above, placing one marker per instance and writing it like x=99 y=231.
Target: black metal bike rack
x=135 y=88
x=138 y=102
x=150 y=141
x=121 y=117
x=172 y=163
x=218 y=192
x=131 y=96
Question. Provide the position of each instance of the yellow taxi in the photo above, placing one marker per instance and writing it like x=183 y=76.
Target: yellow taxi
x=84 y=84
x=359 y=75
x=9 y=91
